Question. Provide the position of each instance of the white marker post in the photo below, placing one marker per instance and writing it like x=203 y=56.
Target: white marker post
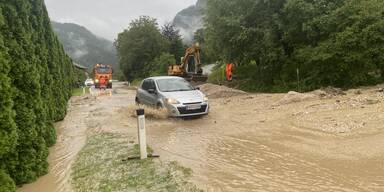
x=142 y=133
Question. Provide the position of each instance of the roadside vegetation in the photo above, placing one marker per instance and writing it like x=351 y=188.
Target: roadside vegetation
x=36 y=80
x=144 y=49
x=286 y=45
x=276 y=46
x=102 y=165
x=79 y=91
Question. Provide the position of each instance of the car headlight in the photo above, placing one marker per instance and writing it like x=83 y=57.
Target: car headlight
x=96 y=80
x=171 y=101
x=205 y=99
x=110 y=80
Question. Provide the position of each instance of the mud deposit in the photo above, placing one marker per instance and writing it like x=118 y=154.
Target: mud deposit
x=320 y=141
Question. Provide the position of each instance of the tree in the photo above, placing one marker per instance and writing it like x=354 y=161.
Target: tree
x=8 y=129
x=173 y=36
x=332 y=43
x=138 y=45
x=247 y=32
x=36 y=78
x=206 y=54
x=6 y=183
x=160 y=64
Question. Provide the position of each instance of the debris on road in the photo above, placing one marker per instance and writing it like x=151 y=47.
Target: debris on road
x=216 y=91
x=332 y=91
x=294 y=97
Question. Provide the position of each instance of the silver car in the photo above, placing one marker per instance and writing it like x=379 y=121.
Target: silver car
x=89 y=82
x=175 y=94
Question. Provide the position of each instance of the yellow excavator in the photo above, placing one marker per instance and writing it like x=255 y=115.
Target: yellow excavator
x=190 y=66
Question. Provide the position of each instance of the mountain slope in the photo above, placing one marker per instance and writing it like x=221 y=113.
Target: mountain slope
x=189 y=20
x=84 y=47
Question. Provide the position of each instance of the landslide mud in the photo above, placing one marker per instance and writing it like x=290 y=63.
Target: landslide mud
x=319 y=141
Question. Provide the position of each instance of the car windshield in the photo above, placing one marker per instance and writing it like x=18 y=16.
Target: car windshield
x=103 y=70
x=172 y=85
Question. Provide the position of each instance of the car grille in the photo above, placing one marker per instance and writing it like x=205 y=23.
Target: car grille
x=184 y=111
x=191 y=103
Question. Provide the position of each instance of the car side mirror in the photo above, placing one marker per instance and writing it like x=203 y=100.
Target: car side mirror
x=151 y=91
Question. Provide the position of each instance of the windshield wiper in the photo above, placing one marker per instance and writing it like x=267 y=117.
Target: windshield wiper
x=183 y=90
x=177 y=90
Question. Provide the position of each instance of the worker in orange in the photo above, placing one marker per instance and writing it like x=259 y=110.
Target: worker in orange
x=102 y=81
x=229 y=71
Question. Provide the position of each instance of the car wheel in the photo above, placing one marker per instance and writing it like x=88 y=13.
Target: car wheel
x=159 y=106
x=137 y=101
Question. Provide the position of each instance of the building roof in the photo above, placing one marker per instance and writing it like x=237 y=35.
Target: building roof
x=79 y=66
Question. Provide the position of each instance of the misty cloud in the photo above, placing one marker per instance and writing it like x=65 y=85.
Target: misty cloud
x=78 y=53
x=107 y=18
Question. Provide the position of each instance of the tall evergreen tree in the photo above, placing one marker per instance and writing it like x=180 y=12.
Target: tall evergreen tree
x=8 y=129
x=176 y=46
x=36 y=79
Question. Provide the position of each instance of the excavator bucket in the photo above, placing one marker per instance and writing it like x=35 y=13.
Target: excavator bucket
x=199 y=78
x=196 y=79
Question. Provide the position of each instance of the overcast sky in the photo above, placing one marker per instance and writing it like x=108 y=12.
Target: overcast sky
x=106 y=18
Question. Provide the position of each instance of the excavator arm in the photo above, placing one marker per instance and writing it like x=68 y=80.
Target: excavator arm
x=190 y=66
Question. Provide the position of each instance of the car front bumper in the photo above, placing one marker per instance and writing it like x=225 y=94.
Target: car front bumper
x=181 y=110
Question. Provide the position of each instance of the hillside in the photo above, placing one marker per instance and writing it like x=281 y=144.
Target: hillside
x=83 y=46
x=189 y=20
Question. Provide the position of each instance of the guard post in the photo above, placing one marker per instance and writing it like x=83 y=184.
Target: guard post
x=83 y=90
x=142 y=133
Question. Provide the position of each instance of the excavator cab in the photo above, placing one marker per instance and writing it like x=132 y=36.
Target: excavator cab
x=190 y=66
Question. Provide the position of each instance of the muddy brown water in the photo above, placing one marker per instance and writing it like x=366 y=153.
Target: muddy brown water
x=246 y=143
x=86 y=116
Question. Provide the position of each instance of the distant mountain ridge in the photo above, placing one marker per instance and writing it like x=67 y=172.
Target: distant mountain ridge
x=189 y=20
x=83 y=46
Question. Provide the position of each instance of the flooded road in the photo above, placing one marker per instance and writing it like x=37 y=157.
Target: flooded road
x=86 y=116
x=248 y=142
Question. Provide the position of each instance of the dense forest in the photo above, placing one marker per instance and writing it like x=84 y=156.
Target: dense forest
x=144 y=49
x=279 y=45
x=36 y=77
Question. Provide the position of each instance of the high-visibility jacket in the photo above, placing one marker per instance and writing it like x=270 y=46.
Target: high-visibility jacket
x=229 y=71
x=102 y=81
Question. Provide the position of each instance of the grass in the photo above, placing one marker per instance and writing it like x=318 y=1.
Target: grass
x=79 y=91
x=136 y=82
x=100 y=167
x=217 y=76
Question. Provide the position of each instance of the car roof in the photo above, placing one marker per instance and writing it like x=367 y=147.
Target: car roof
x=164 y=77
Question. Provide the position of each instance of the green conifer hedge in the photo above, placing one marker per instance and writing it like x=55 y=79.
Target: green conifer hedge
x=36 y=79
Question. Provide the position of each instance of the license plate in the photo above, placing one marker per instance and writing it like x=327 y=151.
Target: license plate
x=193 y=107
